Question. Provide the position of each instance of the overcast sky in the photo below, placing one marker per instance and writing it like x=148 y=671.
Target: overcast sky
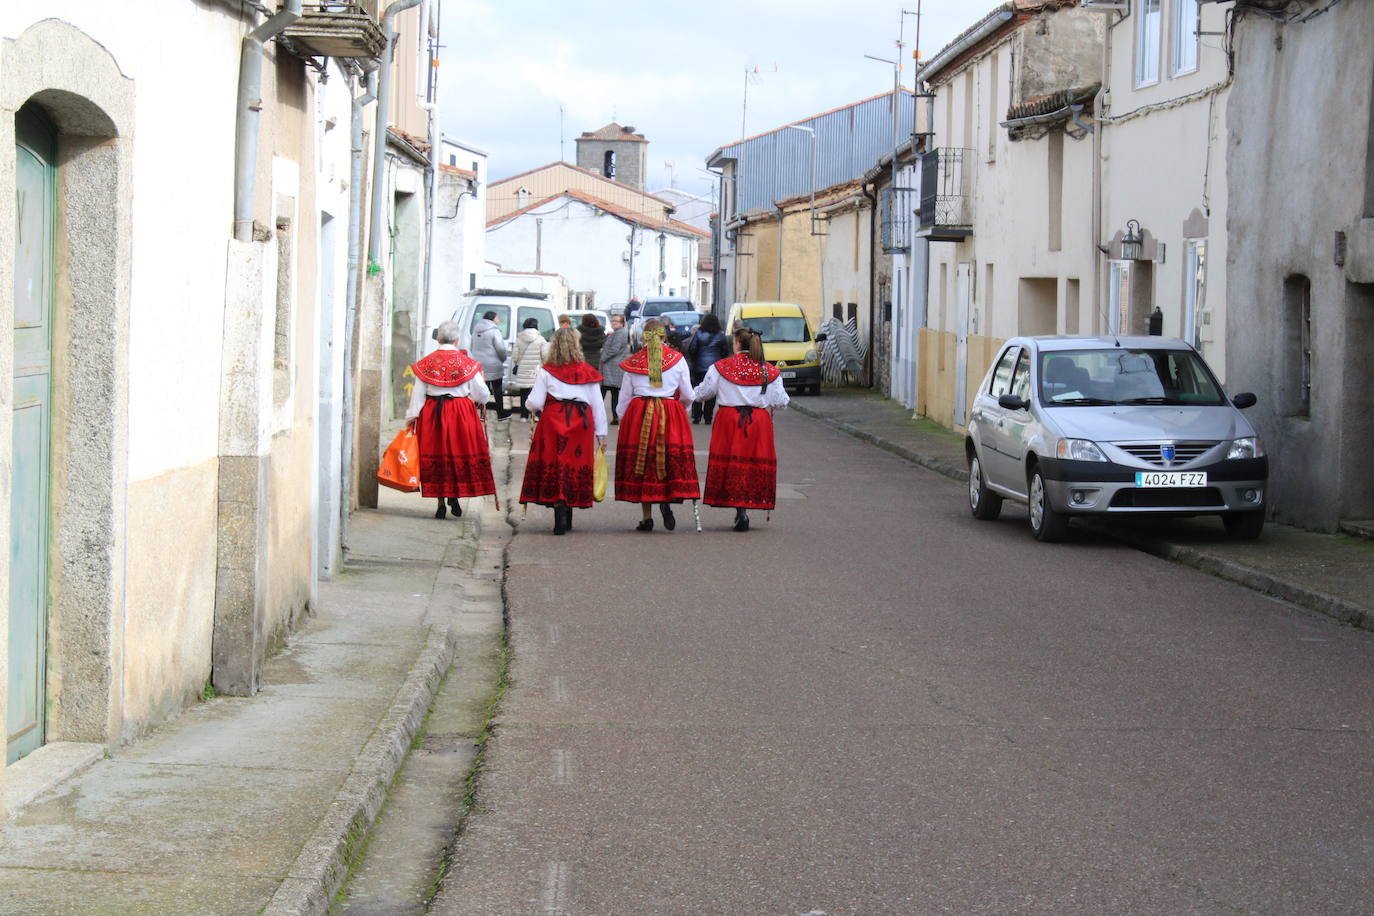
x=673 y=71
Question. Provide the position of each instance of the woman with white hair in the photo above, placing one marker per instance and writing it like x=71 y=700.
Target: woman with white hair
x=455 y=459
x=572 y=425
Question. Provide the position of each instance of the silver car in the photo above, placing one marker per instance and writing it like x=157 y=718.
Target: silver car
x=1112 y=426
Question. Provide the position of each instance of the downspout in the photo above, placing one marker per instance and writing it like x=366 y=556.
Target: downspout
x=781 y=227
x=870 y=192
x=428 y=17
x=249 y=111
x=1099 y=113
x=355 y=258
x=374 y=235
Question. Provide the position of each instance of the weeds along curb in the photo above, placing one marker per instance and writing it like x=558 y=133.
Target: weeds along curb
x=322 y=865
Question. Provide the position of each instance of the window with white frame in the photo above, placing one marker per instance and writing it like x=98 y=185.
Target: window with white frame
x=1185 y=21
x=1147 y=35
x=1194 y=288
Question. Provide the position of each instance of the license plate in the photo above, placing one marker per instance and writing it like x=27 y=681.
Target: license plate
x=789 y=375
x=1171 y=478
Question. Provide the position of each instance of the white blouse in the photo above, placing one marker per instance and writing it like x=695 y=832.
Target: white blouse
x=546 y=386
x=676 y=381
x=728 y=394
x=475 y=388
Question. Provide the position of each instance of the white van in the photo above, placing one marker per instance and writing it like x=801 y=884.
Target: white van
x=512 y=308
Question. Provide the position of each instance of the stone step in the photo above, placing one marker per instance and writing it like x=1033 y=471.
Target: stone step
x=1360 y=529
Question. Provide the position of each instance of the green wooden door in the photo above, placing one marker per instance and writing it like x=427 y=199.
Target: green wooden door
x=33 y=308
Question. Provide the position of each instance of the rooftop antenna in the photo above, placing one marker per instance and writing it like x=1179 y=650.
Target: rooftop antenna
x=753 y=73
x=561 y=133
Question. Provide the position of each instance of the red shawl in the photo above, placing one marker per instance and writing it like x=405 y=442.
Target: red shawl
x=639 y=363
x=743 y=370
x=446 y=368
x=574 y=373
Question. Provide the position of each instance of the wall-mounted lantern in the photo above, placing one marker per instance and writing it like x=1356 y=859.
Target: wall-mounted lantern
x=1133 y=242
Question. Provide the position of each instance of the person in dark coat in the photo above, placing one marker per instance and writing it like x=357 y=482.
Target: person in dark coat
x=613 y=351
x=593 y=337
x=707 y=347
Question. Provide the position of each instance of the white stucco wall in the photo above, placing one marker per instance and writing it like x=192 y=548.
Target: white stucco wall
x=588 y=247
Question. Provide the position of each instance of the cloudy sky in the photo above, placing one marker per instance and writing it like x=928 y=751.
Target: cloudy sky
x=673 y=71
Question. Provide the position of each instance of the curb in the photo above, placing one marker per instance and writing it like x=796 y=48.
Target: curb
x=322 y=865
x=1345 y=611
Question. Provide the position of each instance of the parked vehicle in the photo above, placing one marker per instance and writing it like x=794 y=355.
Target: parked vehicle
x=1112 y=426
x=512 y=308
x=680 y=326
x=603 y=318
x=655 y=307
x=788 y=341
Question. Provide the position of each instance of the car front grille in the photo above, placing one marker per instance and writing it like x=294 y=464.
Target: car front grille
x=1168 y=498
x=1153 y=452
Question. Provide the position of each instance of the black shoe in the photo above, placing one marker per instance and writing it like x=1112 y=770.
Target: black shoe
x=454 y=506
x=668 y=521
x=442 y=511
x=560 y=524
x=646 y=525
x=567 y=517
x=741 y=520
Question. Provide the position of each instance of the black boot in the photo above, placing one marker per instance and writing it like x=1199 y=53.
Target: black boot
x=741 y=520
x=560 y=524
x=454 y=507
x=567 y=517
x=442 y=511
x=667 y=511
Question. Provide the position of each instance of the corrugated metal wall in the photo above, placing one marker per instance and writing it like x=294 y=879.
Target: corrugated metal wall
x=849 y=141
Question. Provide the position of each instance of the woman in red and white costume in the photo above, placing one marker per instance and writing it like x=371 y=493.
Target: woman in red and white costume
x=572 y=425
x=655 y=461
x=742 y=470
x=455 y=459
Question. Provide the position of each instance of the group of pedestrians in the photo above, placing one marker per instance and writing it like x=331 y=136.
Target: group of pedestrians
x=655 y=456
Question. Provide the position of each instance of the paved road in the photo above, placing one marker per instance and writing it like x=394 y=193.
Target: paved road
x=879 y=705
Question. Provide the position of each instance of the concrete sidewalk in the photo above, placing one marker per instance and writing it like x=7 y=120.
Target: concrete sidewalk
x=1333 y=574
x=249 y=805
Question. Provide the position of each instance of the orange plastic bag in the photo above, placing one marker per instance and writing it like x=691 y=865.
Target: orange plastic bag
x=400 y=468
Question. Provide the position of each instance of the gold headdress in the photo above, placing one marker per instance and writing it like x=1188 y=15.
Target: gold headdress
x=653 y=341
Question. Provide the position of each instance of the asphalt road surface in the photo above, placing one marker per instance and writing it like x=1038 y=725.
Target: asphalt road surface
x=876 y=704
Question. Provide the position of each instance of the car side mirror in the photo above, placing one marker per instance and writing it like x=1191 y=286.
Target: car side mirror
x=1244 y=399
x=821 y=336
x=434 y=334
x=1011 y=402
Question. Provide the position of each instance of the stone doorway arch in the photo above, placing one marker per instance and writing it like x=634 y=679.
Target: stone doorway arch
x=80 y=88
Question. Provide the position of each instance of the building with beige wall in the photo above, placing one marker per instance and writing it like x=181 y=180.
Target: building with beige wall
x=1006 y=192
x=172 y=462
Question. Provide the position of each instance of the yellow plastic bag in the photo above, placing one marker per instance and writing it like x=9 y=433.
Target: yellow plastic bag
x=599 y=474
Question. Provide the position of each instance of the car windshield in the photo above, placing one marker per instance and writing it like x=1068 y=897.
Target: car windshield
x=681 y=319
x=779 y=329
x=1092 y=378
x=654 y=309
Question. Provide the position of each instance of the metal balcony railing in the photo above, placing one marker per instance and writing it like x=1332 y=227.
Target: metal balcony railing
x=336 y=28
x=946 y=194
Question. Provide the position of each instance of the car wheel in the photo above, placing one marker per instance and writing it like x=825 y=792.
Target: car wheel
x=982 y=502
x=1244 y=526
x=1046 y=524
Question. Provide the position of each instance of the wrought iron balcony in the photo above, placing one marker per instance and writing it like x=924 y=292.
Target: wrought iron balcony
x=335 y=28
x=946 y=194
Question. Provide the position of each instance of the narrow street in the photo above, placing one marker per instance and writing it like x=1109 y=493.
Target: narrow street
x=876 y=704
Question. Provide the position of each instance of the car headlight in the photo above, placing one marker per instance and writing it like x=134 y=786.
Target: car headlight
x=811 y=356
x=1248 y=447
x=1079 y=450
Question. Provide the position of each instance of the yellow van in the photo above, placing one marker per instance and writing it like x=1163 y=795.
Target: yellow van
x=787 y=340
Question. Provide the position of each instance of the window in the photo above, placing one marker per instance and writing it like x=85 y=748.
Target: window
x=608 y=164
x=1194 y=288
x=1020 y=378
x=1147 y=42
x=1297 y=327
x=1185 y=22
x=1096 y=378
x=1001 y=377
x=542 y=315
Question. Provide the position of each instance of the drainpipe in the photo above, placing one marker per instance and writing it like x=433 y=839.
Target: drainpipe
x=1099 y=113
x=249 y=109
x=355 y=258
x=374 y=235
x=430 y=106
x=780 y=237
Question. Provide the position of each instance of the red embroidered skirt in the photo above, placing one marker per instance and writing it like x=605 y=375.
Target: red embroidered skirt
x=742 y=470
x=559 y=469
x=454 y=457
x=654 y=459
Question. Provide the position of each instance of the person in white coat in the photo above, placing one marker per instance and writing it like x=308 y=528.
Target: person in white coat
x=531 y=350
x=742 y=466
